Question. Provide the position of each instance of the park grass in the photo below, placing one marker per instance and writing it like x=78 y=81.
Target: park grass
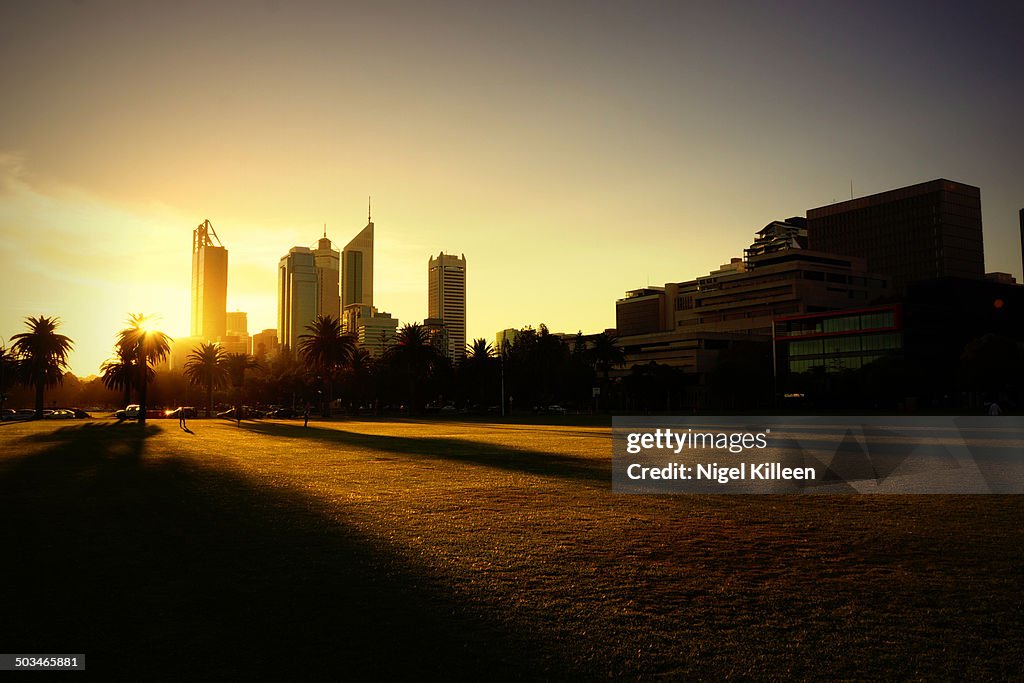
x=376 y=549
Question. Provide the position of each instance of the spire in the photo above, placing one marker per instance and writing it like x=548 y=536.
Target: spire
x=368 y=219
x=325 y=230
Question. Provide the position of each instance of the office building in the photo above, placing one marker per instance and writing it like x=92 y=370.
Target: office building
x=328 y=278
x=181 y=348
x=374 y=330
x=508 y=335
x=237 y=324
x=297 y=295
x=264 y=344
x=911 y=234
x=209 y=283
x=357 y=268
x=687 y=325
x=446 y=294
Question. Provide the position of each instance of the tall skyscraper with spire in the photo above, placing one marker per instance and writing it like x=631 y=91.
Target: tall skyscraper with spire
x=328 y=278
x=446 y=299
x=209 y=284
x=357 y=267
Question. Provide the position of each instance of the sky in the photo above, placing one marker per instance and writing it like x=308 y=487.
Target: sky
x=571 y=150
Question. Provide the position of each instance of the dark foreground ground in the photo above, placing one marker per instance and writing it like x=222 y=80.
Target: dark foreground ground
x=376 y=549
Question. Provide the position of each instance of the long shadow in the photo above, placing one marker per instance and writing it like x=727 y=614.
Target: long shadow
x=463 y=450
x=158 y=567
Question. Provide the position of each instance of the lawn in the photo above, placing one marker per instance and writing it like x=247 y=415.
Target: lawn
x=359 y=549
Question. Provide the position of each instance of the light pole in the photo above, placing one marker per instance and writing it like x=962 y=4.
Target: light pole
x=502 y=357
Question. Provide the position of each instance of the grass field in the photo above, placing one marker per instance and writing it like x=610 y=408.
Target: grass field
x=369 y=549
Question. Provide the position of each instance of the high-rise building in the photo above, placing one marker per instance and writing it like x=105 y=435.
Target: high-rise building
x=357 y=268
x=237 y=324
x=328 y=278
x=446 y=299
x=915 y=233
x=209 y=283
x=297 y=295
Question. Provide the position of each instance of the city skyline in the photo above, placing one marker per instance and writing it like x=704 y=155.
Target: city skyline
x=543 y=142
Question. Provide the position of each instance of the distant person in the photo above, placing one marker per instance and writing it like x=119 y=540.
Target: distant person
x=305 y=416
x=181 y=419
x=994 y=409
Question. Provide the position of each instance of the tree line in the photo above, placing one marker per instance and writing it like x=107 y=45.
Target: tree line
x=328 y=370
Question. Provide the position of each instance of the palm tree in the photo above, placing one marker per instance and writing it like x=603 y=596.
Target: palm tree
x=117 y=373
x=44 y=355
x=205 y=366
x=606 y=354
x=8 y=371
x=236 y=364
x=414 y=356
x=478 y=371
x=145 y=346
x=327 y=349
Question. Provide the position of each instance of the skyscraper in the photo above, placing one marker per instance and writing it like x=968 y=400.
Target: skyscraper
x=915 y=233
x=357 y=268
x=297 y=295
x=328 y=275
x=209 y=283
x=446 y=294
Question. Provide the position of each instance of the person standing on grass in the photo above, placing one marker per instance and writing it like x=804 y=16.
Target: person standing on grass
x=181 y=419
x=305 y=416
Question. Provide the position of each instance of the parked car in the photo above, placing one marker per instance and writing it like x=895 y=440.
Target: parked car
x=60 y=414
x=130 y=412
x=556 y=410
x=24 y=414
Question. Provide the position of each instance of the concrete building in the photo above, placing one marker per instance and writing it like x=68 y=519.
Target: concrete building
x=297 y=295
x=209 y=283
x=181 y=347
x=374 y=330
x=915 y=233
x=508 y=334
x=328 y=278
x=264 y=344
x=357 y=268
x=437 y=334
x=446 y=294
x=688 y=324
x=237 y=324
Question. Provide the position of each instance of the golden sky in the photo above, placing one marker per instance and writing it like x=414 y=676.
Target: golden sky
x=570 y=150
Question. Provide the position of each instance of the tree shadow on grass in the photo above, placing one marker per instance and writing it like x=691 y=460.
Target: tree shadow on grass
x=155 y=566
x=463 y=450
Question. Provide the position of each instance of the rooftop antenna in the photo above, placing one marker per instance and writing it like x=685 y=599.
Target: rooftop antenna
x=325 y=231
x=851 y=189
x=368 y=219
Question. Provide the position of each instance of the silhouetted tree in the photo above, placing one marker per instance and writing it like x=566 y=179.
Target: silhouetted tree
x=236 y=365
x=43 y=354
x=205 y=367
x=327 y=349
x=606 y=354
x=8 y=373
x=117 y=373
x=414 y=357
x=479 y=373
x=146 y=347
